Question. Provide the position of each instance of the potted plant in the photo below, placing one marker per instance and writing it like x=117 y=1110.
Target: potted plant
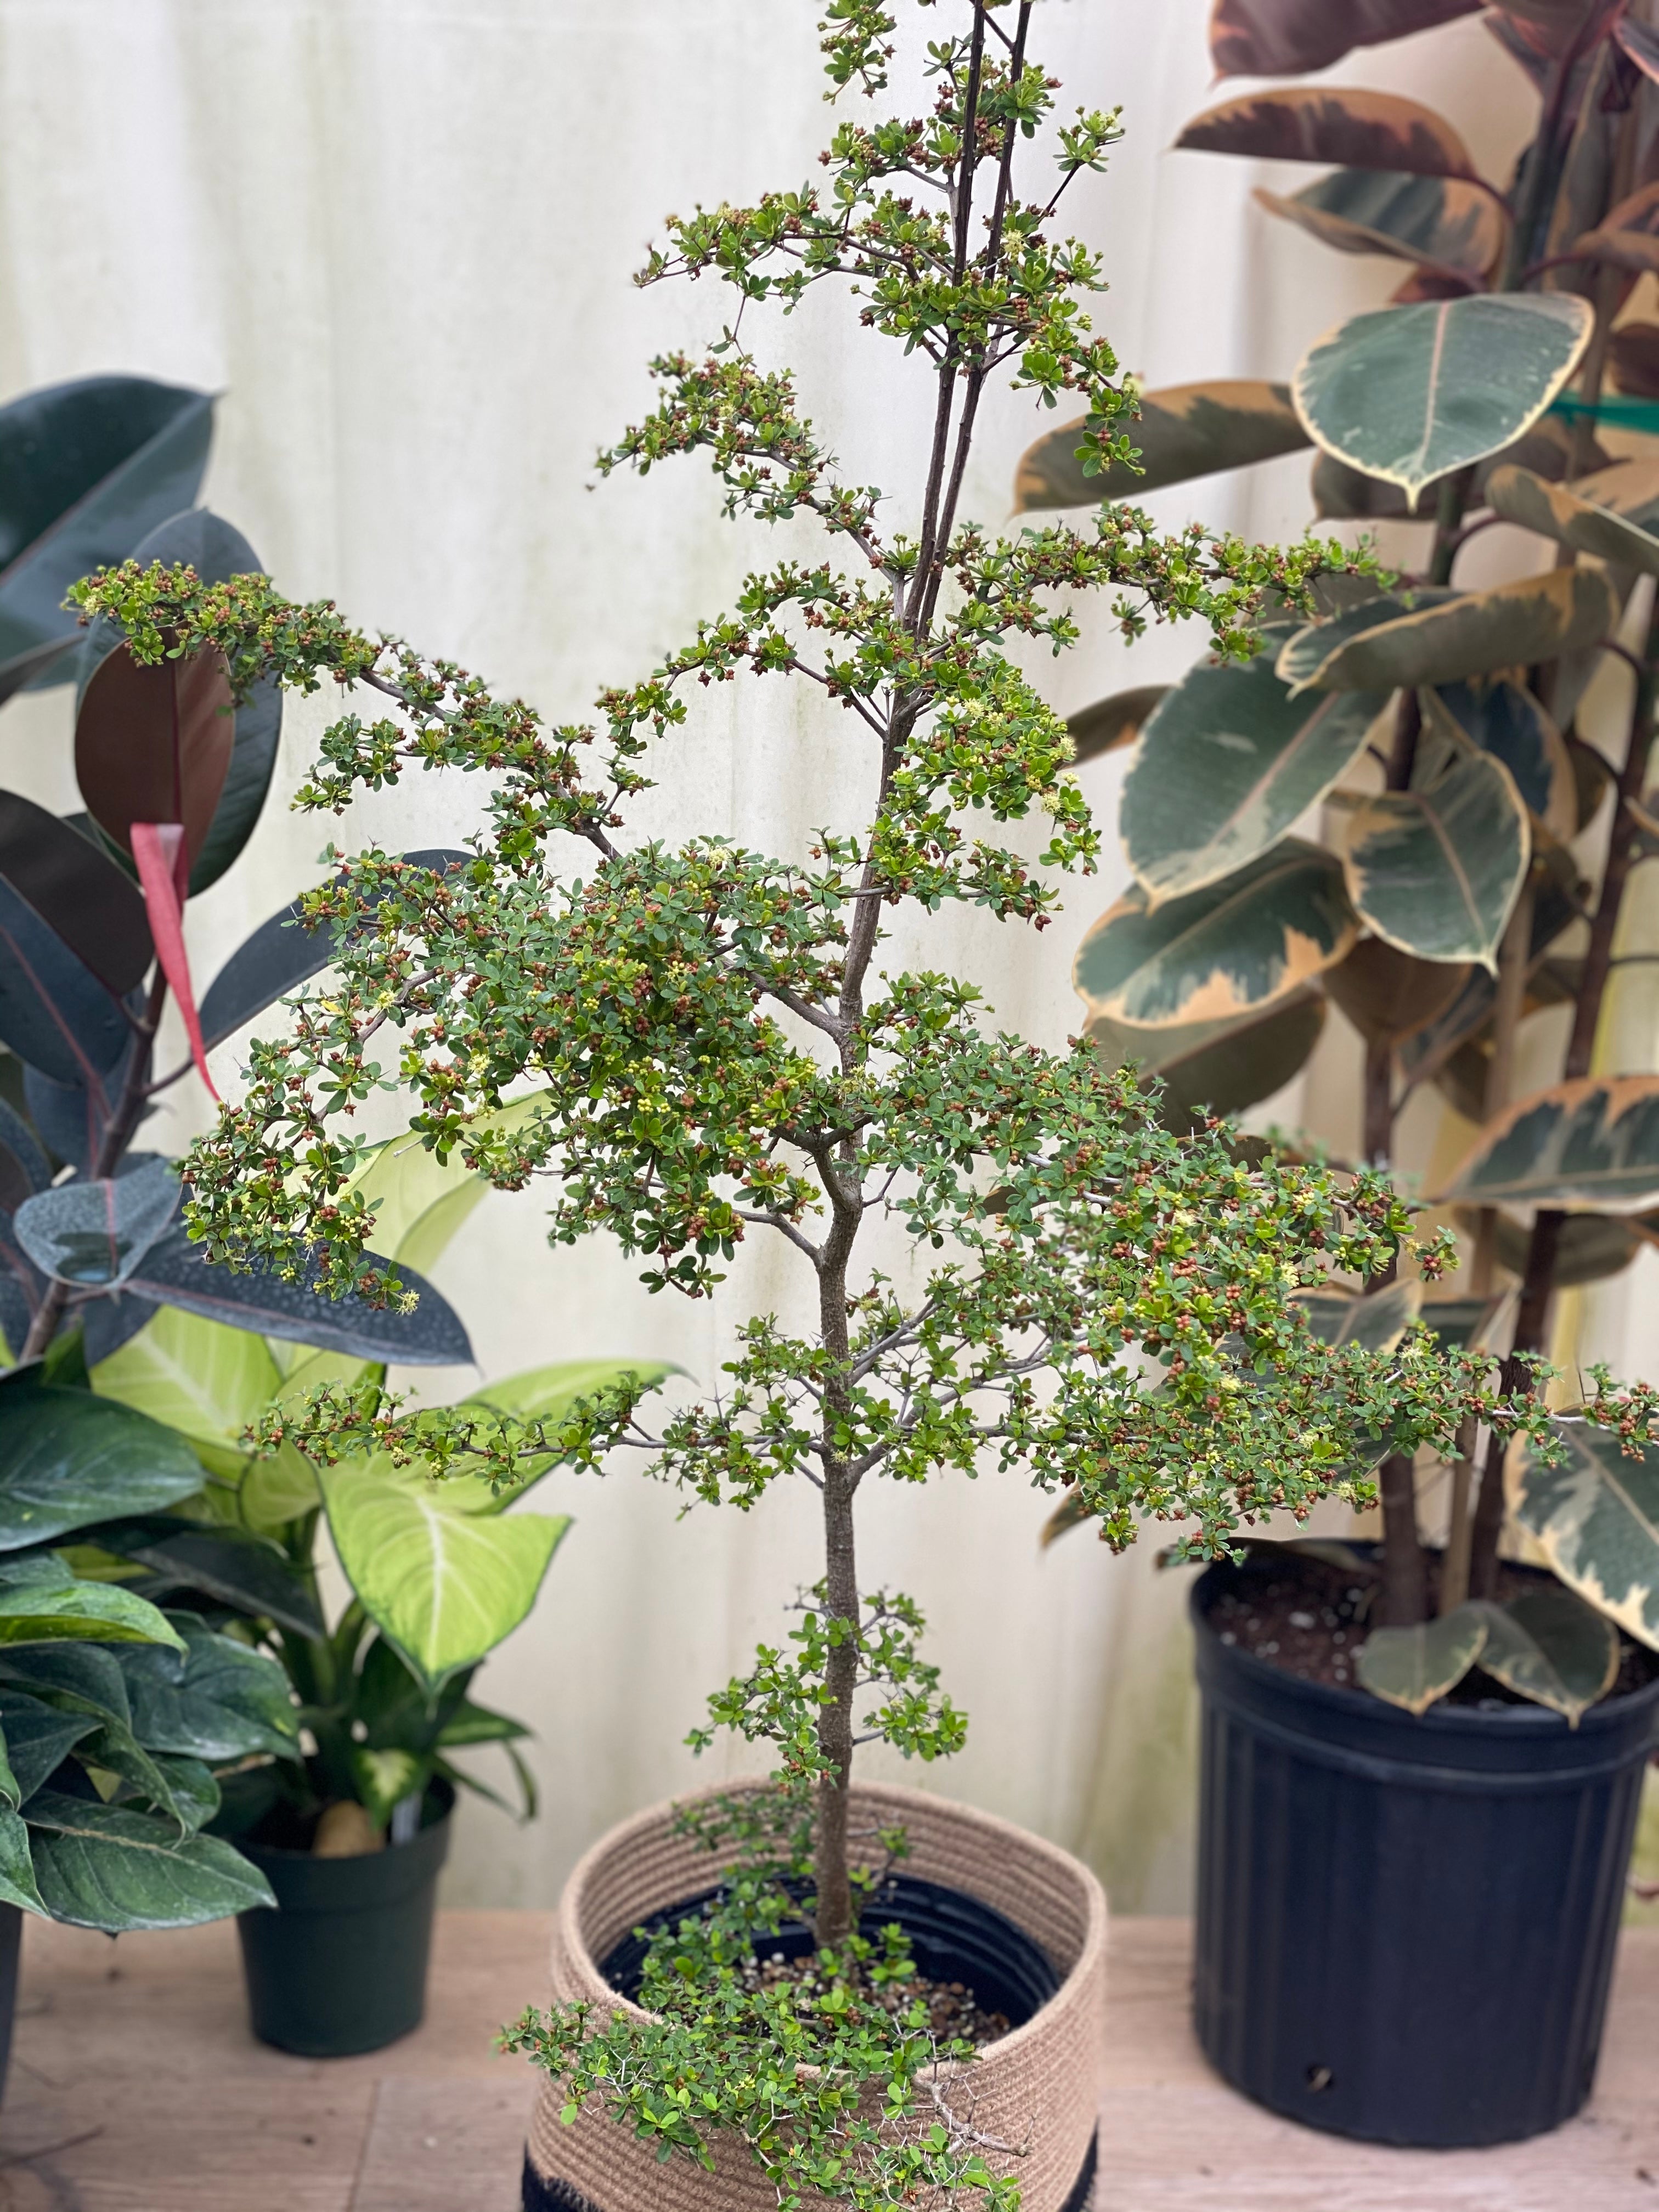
x=814 y=1983
x=1421 y=1769
x=351 y=1835
x=138 y=1464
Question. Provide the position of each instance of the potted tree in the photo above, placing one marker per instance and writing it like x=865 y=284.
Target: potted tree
x=815 y=1984
x=1408 y=1756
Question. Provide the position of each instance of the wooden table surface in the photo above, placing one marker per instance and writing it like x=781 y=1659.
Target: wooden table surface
x=135 y=2087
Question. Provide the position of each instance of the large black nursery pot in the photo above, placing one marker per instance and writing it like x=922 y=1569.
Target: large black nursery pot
x=340 y=1965
x=1406 y=1925
x=11 y=1938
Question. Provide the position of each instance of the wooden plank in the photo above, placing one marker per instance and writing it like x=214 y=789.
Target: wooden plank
x=137 y=2088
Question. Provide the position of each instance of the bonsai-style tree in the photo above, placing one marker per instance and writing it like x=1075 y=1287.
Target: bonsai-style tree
x=716 y=1048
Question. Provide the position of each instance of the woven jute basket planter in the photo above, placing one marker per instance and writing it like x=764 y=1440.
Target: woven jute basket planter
x=1038 y=2087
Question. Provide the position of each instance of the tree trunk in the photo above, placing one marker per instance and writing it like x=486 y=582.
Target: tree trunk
x=834 y=1920
x=1405 y=1582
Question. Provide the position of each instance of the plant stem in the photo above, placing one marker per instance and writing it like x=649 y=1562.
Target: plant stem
x=1538 y=1283
x=118 y=1132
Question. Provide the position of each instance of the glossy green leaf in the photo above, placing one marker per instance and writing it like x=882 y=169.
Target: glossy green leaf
x=77 y=890
x=277 y=1489
x=1550 y=1646
x=1184 y=431
x=1501 y=718
x=1358 y=128
x=1436 y=870
x=1222 y=1066
x=107 y=1867
x=1409 y=393
x=68 y=1458
x=1288 y=38
x=1592 y=1143
x=192 y=1795
x=1257 y=937
x=1535 y=618
x=56 y=1014
x=1377 y=1321
x=39 y=1738
x=1556 y=511
x=226 y=1564
x=87 y=469
x=383 y=1777
x=1441 y=222
x=221 y=1700
x=1414 y=1667
x=41 y=1601
x=1116 y=722
x=17 y=1882
x=1303 y=654
x=444 y=1584
x=1226 y=765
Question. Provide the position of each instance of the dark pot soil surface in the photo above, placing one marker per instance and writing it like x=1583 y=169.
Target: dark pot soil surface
x=954 y=2014
x=1310 y=1616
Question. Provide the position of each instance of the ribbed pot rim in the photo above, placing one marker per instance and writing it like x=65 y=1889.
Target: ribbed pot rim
x=1007 y=1834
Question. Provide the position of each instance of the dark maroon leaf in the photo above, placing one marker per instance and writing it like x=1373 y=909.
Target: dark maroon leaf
x=97 y=910
x=154 y=744
x=1285 y=38
x=1318 y=123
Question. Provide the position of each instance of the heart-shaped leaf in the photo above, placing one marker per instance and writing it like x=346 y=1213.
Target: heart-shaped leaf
x=79 y=893
x=1288 y=38
x=1245 y=942
x=1409 y=393
x=1436 y=870
x=446 y=1585
x=68 y=1458
x=1438 y=221
x=153 y=744
x=174 y=1271
x=1116 y=722
x=1414 y=1667
x=1550 y=1646
x=1361 y=130
x=1387 y=995
x=1499 y=718
x=1185 y=430
x=1226 y=764
x=1377 y=1321
x=1555 y=511
x=1445 y=641
x=1223 y=1066
x=1596 y=1516
x=107 y=1867
x=96 y=1233
x=220 y=1700
x=1592 y=1143
x=208 y=1382
x=85 y=469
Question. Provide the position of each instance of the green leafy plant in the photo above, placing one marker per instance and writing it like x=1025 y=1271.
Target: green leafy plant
x=1008 y=1259
x=1480 y=845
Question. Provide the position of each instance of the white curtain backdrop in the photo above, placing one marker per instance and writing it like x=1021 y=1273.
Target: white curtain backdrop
x=398 y=236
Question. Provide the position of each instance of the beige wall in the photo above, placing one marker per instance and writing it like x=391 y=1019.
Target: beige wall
x=397 y=235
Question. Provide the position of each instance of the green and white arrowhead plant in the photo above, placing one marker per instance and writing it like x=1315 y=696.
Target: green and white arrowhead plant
x=716 y=1052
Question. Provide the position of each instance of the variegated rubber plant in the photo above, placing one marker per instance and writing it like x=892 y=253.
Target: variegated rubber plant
x=1477 y=844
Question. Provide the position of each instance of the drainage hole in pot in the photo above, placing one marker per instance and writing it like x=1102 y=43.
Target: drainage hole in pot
x=1321 y=2077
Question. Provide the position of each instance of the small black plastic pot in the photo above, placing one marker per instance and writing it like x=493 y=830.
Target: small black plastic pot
x=1406 y=1925
x=340 y=1965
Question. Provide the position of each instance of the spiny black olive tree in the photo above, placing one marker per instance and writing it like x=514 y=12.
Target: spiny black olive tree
x=715 y=1045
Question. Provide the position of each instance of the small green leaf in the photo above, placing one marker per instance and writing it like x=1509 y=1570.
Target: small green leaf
x=1409 y=393
x=1413 y=1667
x=1550 y=1646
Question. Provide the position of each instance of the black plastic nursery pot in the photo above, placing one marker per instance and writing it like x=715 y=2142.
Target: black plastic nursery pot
x=340 y=1965
x=11 y=1939
x=1406 y=1925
